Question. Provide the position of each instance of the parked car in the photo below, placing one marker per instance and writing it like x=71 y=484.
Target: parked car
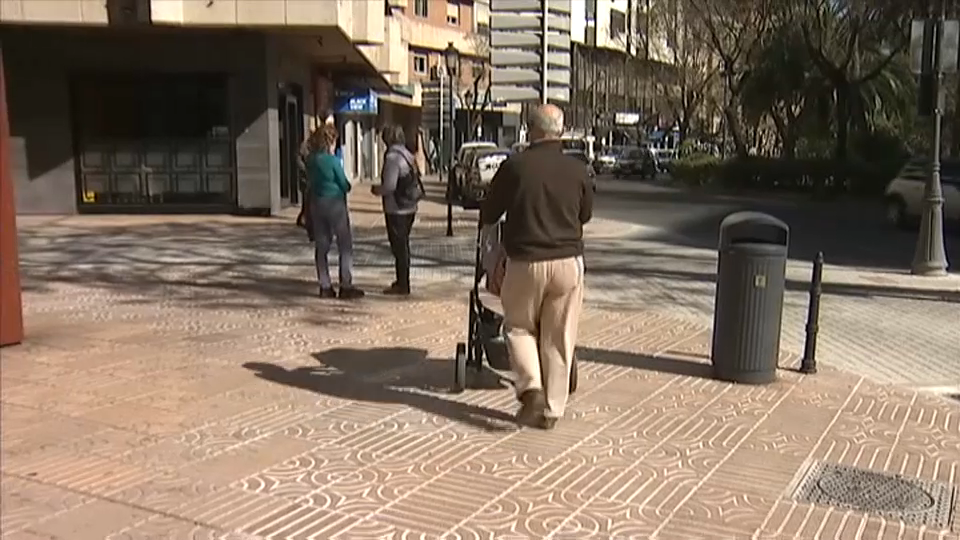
x=904 y=194
x=460 y=165
x=484 y=163
x=636 y=161
x=607 y=160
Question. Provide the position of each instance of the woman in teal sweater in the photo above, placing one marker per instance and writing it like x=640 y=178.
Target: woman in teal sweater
x=328 y=188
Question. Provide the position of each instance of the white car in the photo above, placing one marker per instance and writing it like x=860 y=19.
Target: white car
x=485 y=163
x=461 y=164
x=904 y=194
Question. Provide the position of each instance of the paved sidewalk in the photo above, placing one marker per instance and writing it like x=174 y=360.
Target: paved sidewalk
x=180 y=381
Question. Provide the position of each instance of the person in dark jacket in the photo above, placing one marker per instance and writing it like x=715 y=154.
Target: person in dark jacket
x=547 y=198
x=398 y=164
x=330 y=217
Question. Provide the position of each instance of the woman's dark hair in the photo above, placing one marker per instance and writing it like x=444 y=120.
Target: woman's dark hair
x=394 y=134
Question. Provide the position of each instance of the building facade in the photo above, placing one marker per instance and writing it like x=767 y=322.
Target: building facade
x=620 y=67
x=179 y=105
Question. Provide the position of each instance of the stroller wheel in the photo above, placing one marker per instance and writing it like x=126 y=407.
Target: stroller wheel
x=574 y=377
x=460 y=368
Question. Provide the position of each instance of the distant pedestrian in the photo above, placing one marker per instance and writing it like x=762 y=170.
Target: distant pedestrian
x=330 y=217
x=547 y=198
x=401 y=189
x=307 y=147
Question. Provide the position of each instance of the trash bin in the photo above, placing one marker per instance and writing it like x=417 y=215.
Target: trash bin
x=751 y=278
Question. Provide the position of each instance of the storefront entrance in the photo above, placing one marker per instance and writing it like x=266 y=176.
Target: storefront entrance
x=290 y=109
x=153 y=142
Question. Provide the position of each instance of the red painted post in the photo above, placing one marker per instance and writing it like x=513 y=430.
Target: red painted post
x=11 y=304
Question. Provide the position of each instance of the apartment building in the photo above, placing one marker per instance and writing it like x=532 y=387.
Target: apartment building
x=619 y=58
x=183 y=105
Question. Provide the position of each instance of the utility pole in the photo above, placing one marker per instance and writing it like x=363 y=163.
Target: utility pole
x=930 y=257
x=442 y=117
x=544 y=48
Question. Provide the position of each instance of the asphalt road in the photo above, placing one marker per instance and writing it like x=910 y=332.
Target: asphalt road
x=850 y=233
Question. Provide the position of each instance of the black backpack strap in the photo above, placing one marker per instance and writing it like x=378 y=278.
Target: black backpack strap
x=414 y=170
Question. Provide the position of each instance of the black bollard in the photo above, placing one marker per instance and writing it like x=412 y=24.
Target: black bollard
x=808 y=364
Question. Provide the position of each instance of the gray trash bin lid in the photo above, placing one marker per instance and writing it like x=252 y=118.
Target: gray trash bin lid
x=754 y=228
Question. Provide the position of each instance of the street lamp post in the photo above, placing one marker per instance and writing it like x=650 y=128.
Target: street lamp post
x=930 y=257
x=452 y=57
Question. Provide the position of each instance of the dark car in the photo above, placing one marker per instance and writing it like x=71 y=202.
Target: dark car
x=637 y=161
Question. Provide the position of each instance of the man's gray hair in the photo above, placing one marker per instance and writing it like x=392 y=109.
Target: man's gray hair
x=547 y=119
x=394 y=134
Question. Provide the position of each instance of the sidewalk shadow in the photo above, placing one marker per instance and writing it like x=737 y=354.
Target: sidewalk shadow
x=388 y=375
x=661 y=364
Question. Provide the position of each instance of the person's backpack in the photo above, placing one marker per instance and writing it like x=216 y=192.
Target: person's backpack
x=409 y=189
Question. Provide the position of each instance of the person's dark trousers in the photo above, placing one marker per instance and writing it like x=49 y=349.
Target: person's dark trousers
x=398 y=233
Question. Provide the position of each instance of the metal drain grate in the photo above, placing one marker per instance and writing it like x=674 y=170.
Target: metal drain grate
x=911 y=500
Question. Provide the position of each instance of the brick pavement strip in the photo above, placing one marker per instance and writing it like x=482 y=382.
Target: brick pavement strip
x=181 y=381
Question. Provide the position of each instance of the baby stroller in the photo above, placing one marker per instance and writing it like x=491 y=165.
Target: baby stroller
x=485 y=339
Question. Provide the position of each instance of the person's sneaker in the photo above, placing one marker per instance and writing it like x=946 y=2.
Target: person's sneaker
x=547 y=422
x=351 y=293
x=327 y=292
x=396 y=290
x=531 y=408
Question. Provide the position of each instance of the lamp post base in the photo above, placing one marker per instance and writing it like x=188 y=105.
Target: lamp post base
x=930 y=258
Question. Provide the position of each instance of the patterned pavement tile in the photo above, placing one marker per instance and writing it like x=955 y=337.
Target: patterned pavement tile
x=297 y=522
x=166 y=492
x=609 y=519
x=242 y=461
x=26 y=502
x=369 y=529
x=171 y=528
x=217 y=400
x=301 y=475
x=92 y=521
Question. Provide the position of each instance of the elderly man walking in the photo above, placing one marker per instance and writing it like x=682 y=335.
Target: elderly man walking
x=547 y=197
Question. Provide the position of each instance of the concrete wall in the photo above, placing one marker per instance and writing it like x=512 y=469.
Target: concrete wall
x=39 y=61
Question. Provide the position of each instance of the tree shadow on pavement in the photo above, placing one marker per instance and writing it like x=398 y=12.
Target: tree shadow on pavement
x=389 y=375
x=216 y=264
x=661 y=364
x=704 y=271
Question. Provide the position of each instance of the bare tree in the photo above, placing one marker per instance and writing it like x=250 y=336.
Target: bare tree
x=693 y=66
x=477 y=97
x=734 y=30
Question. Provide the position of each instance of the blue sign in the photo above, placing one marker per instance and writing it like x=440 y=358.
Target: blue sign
x=355 y=102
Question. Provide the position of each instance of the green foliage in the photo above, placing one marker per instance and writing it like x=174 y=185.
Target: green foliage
x=817 y=177
x=695 y=169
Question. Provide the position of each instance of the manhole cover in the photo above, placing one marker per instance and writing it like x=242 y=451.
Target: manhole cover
x=911 y=500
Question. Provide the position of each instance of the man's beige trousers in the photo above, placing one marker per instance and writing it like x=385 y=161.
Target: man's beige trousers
x=541 y=308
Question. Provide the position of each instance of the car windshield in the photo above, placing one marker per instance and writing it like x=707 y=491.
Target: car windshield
x=490 y=156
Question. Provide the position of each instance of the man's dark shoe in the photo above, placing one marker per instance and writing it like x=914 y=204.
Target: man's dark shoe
x=547 y=422
x=532 y=403
x=351 y=293
x=327 y=292
x=396 y=290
